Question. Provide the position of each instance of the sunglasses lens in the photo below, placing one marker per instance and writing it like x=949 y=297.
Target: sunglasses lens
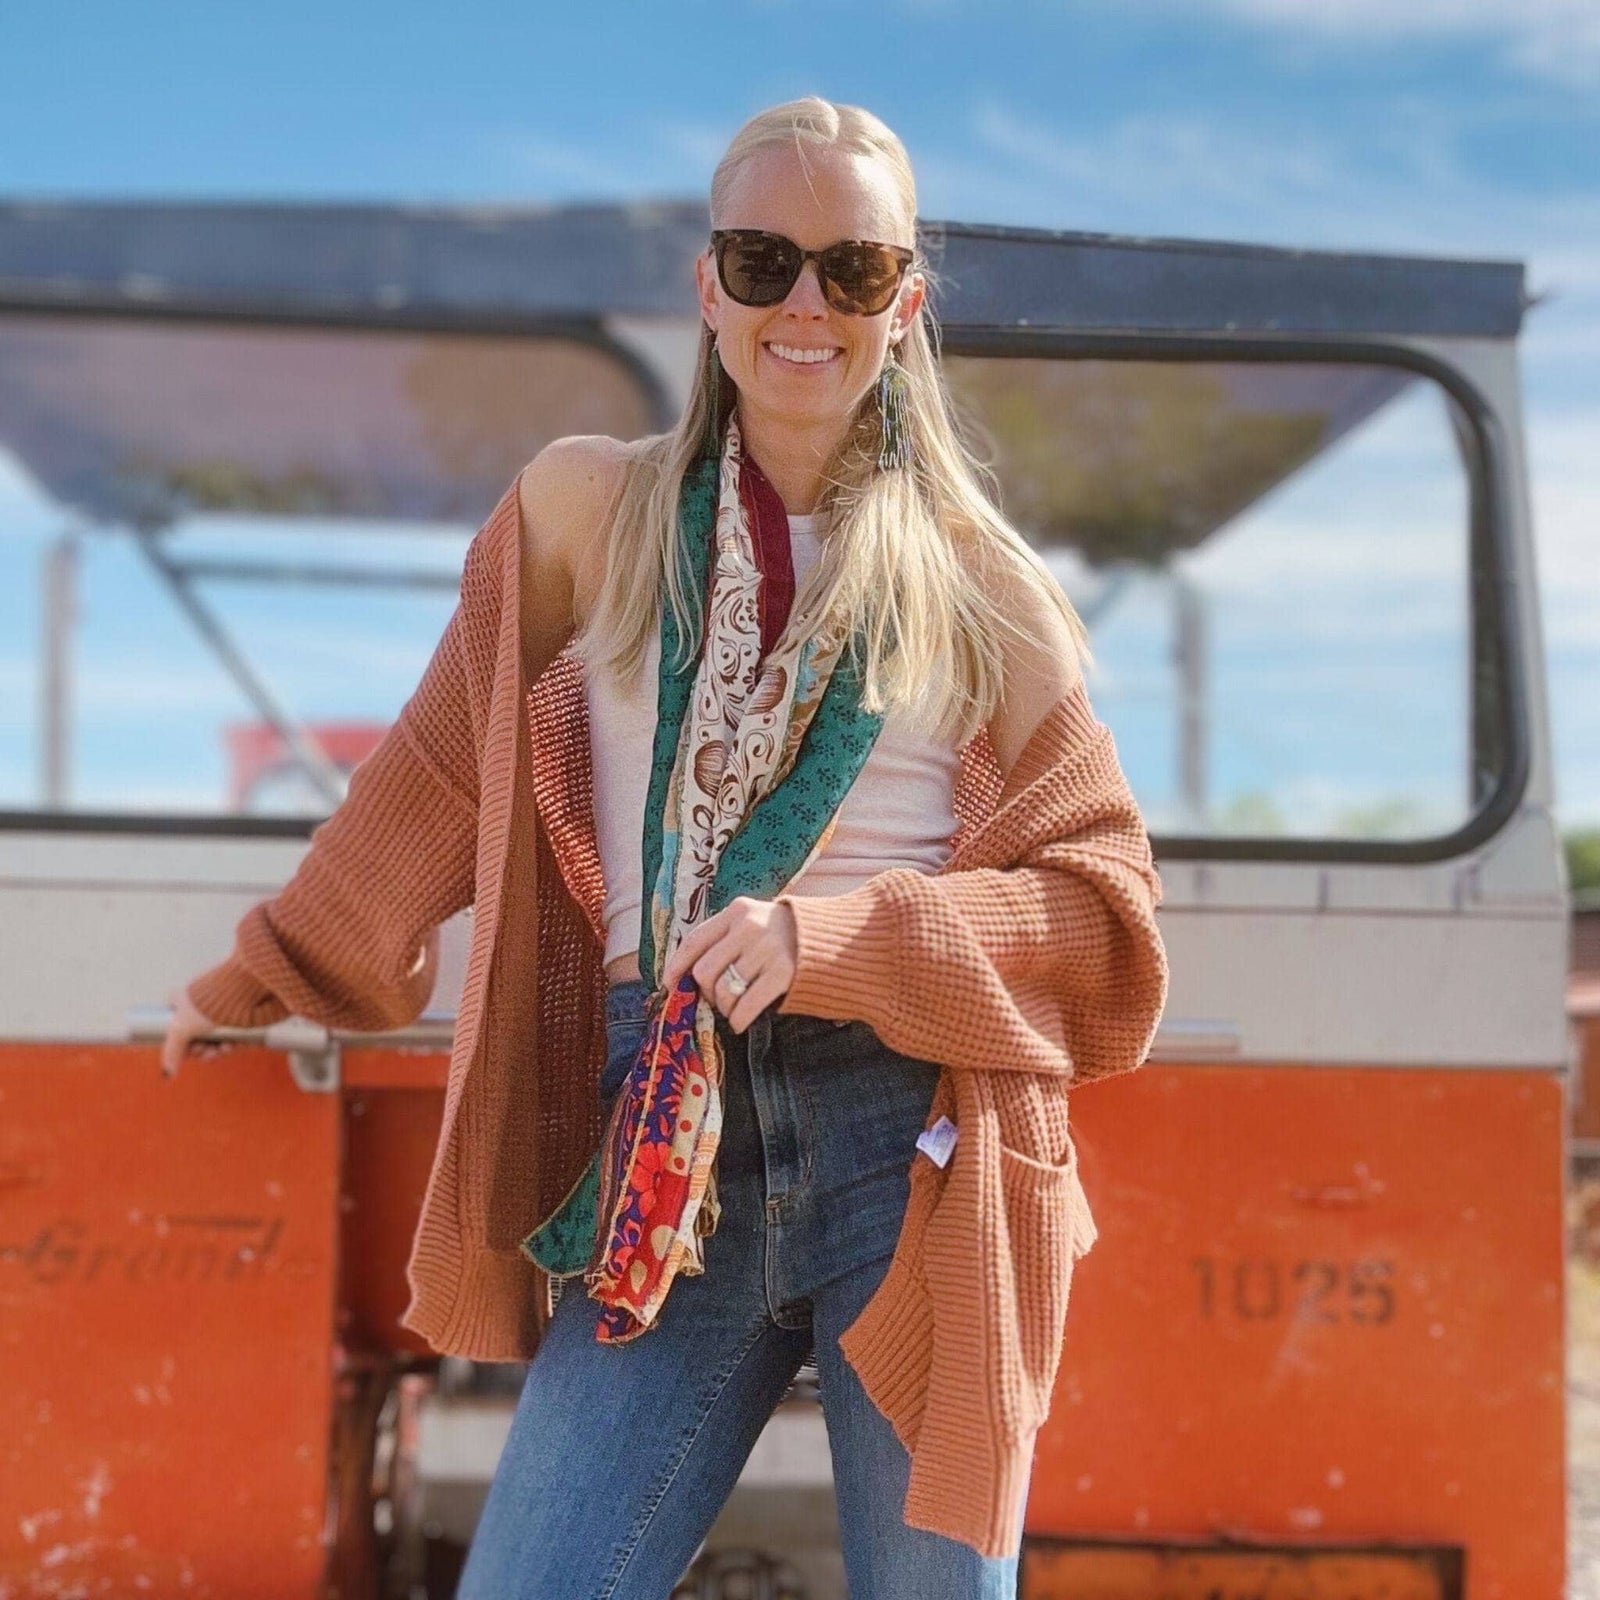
x=758 y=269
x=858 y=276
x=861 y=278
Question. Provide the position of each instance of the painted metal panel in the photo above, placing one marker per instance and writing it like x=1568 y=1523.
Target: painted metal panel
x=1382 y=988
x=1324 y=1307
x=167 y=1282
x=503 y=266
x=1115 y=1570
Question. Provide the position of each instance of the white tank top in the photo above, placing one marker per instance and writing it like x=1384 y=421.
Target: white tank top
x=899 y=812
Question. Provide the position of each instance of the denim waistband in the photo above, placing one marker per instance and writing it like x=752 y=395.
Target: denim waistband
x=625 y=997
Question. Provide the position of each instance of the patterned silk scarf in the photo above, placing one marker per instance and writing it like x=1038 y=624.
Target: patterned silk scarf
x=758 y=739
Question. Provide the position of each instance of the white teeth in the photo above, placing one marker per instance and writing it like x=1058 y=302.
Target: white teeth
x=791 y=353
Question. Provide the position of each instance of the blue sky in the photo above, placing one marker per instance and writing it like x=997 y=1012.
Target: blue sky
x=1438 y=126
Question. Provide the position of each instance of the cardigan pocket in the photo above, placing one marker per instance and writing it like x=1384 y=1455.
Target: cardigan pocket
x=1050 y=1226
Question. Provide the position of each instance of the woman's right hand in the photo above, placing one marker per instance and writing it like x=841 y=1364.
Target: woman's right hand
x=188 y=1024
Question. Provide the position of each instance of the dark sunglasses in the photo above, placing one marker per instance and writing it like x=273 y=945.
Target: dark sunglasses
x=859 y=276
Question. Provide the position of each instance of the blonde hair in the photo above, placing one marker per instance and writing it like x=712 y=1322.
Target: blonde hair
x=920 y=559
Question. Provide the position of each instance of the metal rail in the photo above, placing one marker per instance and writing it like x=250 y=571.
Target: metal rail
x=313 y=1050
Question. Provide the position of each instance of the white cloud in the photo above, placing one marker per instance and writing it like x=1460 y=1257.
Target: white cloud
x=1557 y=40
x=1398 y=186
x=121 y=689
x=25 y=509
x=1566 y=526
x=671 y=155
x=1157 y=158
x=149 y=798
x=700 y=144
x=569 y=162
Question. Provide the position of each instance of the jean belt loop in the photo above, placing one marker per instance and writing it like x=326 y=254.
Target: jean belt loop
x=760 y=1035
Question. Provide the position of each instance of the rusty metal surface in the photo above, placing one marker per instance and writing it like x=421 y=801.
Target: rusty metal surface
x=1326 y=1307
x=390 y=1133
x=1133 y=1572
x=167 y=1255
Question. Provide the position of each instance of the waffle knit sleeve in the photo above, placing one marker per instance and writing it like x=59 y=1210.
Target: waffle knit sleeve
x=350 y=941
x=1037 y=952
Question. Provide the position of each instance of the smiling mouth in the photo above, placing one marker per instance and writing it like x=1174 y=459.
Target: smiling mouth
x=799 y=356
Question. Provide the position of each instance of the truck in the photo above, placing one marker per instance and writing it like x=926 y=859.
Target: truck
x=1318 y=1348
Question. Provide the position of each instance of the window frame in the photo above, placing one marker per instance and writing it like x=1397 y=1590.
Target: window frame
x=1496 y=630
x=1496 y=642
x=588 y=331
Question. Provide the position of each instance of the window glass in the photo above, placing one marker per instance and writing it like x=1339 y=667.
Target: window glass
x=1273 y=561
x=227 y=552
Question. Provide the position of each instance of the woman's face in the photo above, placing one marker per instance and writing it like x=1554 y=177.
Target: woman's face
x=834 y=195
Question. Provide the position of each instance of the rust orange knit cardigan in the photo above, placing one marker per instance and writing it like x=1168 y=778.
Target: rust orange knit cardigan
x=1030 y=963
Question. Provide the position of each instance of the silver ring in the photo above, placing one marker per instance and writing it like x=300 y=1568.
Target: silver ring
x=730 y=974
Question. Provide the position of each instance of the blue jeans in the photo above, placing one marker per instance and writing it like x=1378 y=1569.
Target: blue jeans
x=620 y=1456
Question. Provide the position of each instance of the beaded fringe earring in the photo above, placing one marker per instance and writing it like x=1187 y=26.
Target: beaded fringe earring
x=893 y=407
x=719 y=399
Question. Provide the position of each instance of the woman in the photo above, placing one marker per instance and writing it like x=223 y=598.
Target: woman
x=860 y=891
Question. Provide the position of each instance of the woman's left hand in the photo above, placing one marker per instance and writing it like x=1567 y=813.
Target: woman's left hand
x=757 y=938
